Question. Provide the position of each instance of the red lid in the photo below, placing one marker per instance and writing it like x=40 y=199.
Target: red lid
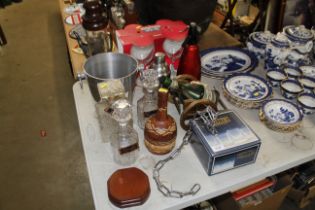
x=175 y=32
x=167 y=22
x=142 y=40
x=136 y=28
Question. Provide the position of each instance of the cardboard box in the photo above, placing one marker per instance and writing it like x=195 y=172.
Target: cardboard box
x=283 y=186
x=302 y=197
x=234 y=144
x=125 y=37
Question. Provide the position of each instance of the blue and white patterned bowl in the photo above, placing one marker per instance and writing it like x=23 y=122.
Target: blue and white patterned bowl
x=308 y=83
x=293 y=72
x=280 y=115
x=306 y=102
x=247 y=87
x=246 y=91
x=275 y=76
x=290 y=88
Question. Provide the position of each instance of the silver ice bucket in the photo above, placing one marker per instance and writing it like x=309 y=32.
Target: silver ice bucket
x=107 y=67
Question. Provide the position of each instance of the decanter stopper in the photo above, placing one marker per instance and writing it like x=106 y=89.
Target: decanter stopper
x=122 y=111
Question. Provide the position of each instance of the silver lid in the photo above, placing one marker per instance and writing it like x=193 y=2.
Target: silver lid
x=159 y=65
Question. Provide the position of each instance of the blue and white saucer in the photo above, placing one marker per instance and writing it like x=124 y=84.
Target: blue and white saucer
x=246 y=90
x=222 y=62
x=280 y=115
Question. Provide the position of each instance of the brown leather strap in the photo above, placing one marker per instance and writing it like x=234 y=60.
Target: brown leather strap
x=192 y=107
x=186 y=77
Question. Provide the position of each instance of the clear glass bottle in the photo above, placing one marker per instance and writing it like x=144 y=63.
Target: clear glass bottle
x=147 y=105
x=124 y=142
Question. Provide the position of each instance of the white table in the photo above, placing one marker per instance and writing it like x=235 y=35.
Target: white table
x=277 y=153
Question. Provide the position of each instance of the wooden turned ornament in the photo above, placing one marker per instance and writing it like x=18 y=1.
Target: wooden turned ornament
x=128 y=187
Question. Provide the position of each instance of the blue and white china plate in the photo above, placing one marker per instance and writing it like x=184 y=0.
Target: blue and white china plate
x=221 y=62
x=282 y=111
x=247 y=87
x=308 y=71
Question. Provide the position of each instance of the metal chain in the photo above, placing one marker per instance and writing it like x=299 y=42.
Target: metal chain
x=160 y=164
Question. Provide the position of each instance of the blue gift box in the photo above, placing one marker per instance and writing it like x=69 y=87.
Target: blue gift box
x=233 y=145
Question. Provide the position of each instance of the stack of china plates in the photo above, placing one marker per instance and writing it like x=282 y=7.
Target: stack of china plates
x=280 y=115
x=246 y=91
x=222 y=62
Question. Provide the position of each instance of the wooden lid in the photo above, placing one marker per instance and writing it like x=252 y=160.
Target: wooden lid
x=128 y=187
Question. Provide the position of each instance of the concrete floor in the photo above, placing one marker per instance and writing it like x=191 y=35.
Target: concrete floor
x=36 y=94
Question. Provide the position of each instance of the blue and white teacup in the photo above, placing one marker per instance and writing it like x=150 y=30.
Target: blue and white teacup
x=306 y=102
x=293 y=72
x=275 y=76
x=308 y=83
x=290 y=88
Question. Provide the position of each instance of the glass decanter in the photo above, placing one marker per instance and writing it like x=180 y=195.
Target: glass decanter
x=124 y=142
x=147 y=105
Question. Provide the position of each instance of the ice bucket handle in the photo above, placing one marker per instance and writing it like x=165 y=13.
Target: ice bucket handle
x=81 y=77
